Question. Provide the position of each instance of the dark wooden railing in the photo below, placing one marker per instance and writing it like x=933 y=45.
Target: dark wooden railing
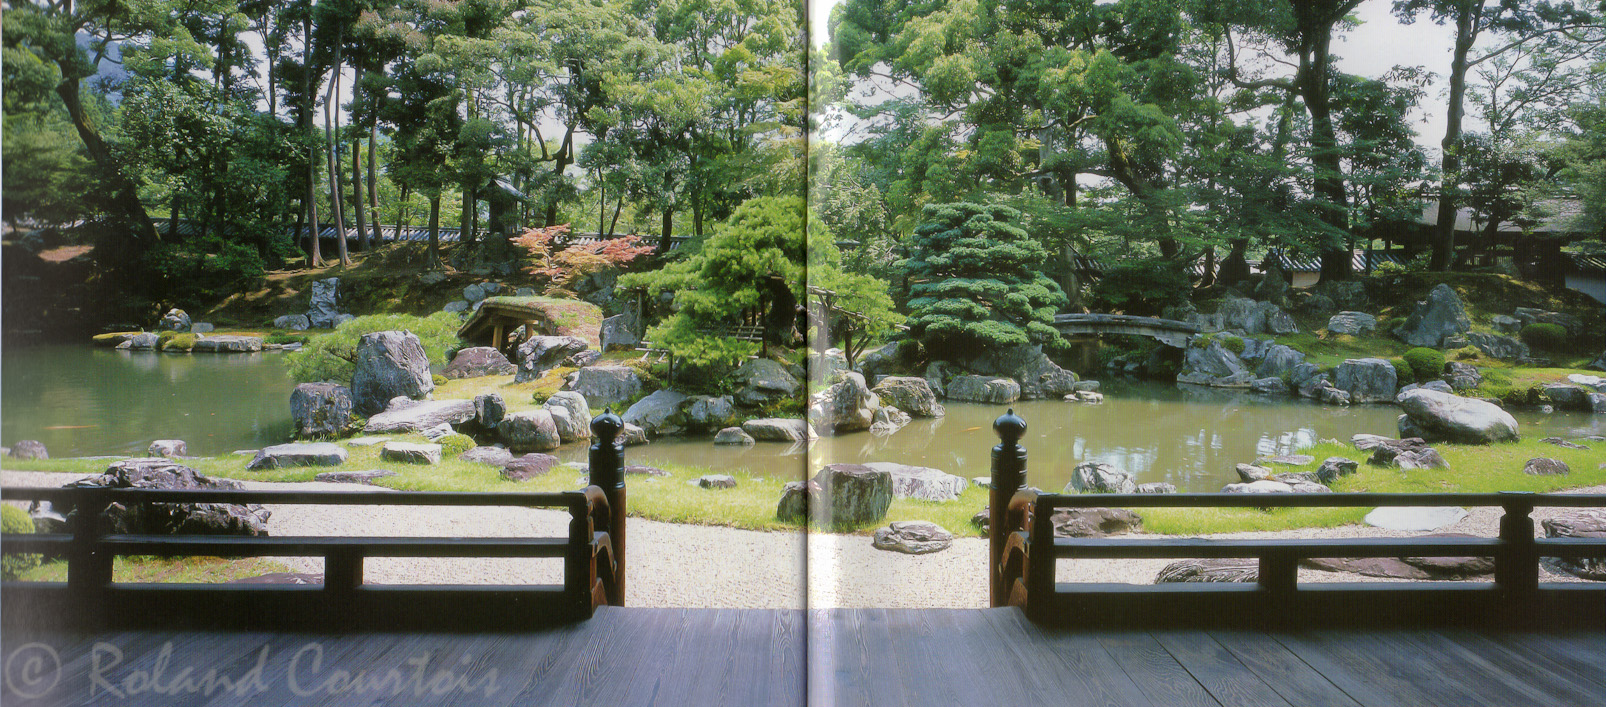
x=592 y=552
x=1024 y=552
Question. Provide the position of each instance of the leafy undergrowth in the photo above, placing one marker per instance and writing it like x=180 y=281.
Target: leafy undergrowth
x=156 y=570
x=383 y=281
x=752 y=504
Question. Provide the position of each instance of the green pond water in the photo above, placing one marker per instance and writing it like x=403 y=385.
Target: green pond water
x=82 y=401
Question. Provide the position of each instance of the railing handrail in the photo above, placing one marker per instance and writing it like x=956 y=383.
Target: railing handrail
x=1052 y=501
x=564 y=499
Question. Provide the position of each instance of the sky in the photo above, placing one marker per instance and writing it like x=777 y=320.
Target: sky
x=1372 y=49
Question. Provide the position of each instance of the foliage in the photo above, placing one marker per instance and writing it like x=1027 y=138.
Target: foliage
x=332 y=356
x=1142 y=287
x=179 y=342
x=438 y=379
x=15 y=521
x=1546 y=337
x=977 y=282
x=1426 y=364
x=1233 y=344
x=561 y=264
x=1403 y=373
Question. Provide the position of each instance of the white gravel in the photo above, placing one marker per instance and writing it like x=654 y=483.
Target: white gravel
x=673 y=565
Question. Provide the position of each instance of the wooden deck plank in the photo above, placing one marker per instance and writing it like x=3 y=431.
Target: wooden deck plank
x=1155 y=671
x=880 y=673
x=1522 y=669
x=1093 y=677
x=1283 y=671
x=1209 y=662
x=1574 y=667
x=1014 y=656
x=1374 y=670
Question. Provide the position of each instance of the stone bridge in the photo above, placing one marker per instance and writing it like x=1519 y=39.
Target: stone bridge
x=1167 y=331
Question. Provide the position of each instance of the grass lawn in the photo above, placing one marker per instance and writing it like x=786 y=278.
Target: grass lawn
x=183 y=570
x=752 y=503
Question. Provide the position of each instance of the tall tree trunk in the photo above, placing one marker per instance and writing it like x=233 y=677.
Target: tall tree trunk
x=434 y=262
x=1315 y=88
x=373 y=181
x=402 y=215
x=359 y=204
x=618 y=206
x=1450 y=184
x=668 y=229
x=331 y=126
x=314 y=248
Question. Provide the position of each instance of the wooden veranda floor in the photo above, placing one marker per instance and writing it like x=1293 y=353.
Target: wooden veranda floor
x=923 y=658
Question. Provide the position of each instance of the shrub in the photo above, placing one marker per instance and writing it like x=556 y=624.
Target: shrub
x=1233 y=344
x=15 y=521
x=1141 y=287
x=1546 y=337
x=1402 y=371
x=455 y=444
x=1388 y=267
x=282 y=338
x=1426 y=364
x=438 y=379
x=331 y=356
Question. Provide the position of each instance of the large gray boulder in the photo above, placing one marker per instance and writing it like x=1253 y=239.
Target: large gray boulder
x=1441 y=315
x=1501 y=347
x=851 y=494
x=175 y=320
x=705 y=413
x=320 y=409
x=823 y=366
x=921 y=483
x=228 y=343
x=1452 y=418
x=1530 y=315
x=983 y=389
x=911 y=395
x=489 y=409
x=170 y=448
x=1367 y=380
x=410 y=452
x=1229 y=569
x=493 y=456
x=1251 y=317
x=1568 y=397
x=1583 y=523
x=282 y=456
x=1094 y=522
x=389 y=364
x=28 y=449
x=734 y=436
x=659 y=414
x=325 y=306
x=846 y=406
x=1098 y=477
x=605 y=385
x=1351 y=323
x=540 y=354
x=1462 y=376
x=1206 y=361
x=619 y=333
x=420 y=416
x=570 y=414
x=888 y=420
x=292 y=322
x=174 y=518
x=529 y=466
x=530 y=431
x=1278 y=361
x=477 y=362
x=777 y=429
x=761 y=381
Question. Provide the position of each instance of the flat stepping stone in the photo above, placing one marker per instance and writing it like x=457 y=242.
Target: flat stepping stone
x=529 y=466
x=734 y=436
x=282 y=456
x=494 y=456
x=1415 y=518
x=366 y=441
x=913 y=537
x=353 y=477
x=1288 y=459
x=411 y=453
x=1545 y=466
x=1563 y=443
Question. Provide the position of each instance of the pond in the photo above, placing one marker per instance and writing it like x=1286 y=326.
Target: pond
x=82 y=401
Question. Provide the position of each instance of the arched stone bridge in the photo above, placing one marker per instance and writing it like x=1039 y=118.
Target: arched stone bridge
x=1167 y=331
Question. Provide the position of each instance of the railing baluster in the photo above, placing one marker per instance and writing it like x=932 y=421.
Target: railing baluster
x=1009 y=476
x=1279 y=574
x=607 y=472
x=89 y=566
x=342 y=570
x=1517 y=565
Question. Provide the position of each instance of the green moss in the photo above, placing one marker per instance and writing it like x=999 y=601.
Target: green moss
x=438 y=379
x=1426 y=364
x=15 y=521
x=113 y=338
x=455 y=444
x=1233 y=344
x=1402 y=371
x=178 y=342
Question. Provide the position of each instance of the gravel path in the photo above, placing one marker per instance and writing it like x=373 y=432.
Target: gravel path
x=673 y=565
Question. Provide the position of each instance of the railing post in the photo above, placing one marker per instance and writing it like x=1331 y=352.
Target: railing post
x=1009 y=476
x=89 y=566
x=1516 y=569
x=607 y=472
x=1040 y=562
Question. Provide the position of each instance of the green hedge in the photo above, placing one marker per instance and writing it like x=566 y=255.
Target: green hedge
x=1426 y=364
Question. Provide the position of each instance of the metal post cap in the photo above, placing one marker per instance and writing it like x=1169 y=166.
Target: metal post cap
x=1010 y=427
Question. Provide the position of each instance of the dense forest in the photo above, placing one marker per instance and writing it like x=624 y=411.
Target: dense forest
x=1150 y=135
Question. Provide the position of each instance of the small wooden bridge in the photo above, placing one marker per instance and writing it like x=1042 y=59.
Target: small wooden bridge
x=1515 y=641
x=1167 y=331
